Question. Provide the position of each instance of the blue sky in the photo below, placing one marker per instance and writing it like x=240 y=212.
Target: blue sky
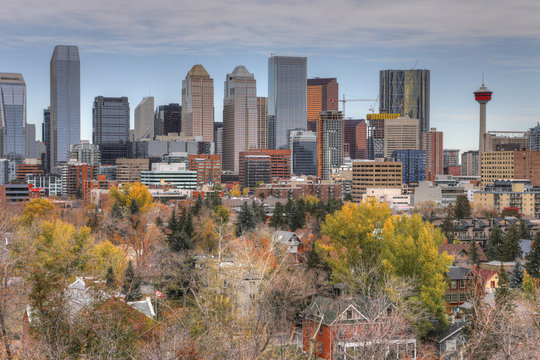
x=138 y=48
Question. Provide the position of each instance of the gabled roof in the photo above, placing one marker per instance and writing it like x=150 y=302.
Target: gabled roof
x=286 y=237
x=456 y=249
x=450 y=330
x=458 y=273
x=144 y=306
x=485 y=274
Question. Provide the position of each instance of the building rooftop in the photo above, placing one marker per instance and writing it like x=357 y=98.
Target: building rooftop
x=198 y=72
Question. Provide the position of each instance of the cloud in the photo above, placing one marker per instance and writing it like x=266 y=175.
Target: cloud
x=180 y=26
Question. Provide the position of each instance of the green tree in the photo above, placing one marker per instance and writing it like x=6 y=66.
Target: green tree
x=495 y=244
x=259 y=212
x=123 y=197
x=502 y=292
x=533 y=258
x=510 y=247
x=278 y=219
x=110 y=279
x=132 y=284
x=529 y=286
x=462 y=208
x=525 y=233
x=474 y=256
x=516 y=279
x=196 y=209
x=447 y=227
x=296 y=214
x=245 y=220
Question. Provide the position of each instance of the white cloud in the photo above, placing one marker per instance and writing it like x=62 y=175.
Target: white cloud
x=178 y=26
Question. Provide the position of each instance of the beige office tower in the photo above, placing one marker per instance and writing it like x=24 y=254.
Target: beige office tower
x=239 y=116
x=144 y=119
x=198 y=104
x=377 y=174
x=262 y=122
x=401 y=134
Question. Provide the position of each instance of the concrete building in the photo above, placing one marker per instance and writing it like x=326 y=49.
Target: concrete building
x=413 y=165
x=168 y=119
x=280 y=162
x=470 y=163
x=73 y=176
x=442 y=194
x=28 y=167
x=30 y=141
x=51 y=184
x=239 y=116
x=287 y=98
x=65 y=106
x=510 y=193
x=84 y=152
x=330 y=142
x=4 y=171
x=534 y=138
x=401 y=134
x=208 y=168
x=255 y=169
x=506 y=141
x=12 y=116
x=198 y=104
x=390 y=196
x=129 y=170
x=375 y=137
x=144 y=119
x=303 y=145
x=262 y=122
x=322 y=95
x=375 y=174
x=176 y=175
x=527 y=166
x=406 y=92
x=450 y=159
x=110 y=127
x=505 y=165
x=355 y=139
x=432 y=144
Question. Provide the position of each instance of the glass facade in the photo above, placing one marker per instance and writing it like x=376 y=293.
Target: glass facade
x=413 y=165
x=46 y=138
x=65 y=102
x=303 y=152
x=287 y=98
x=406 y=92
x=12 y=116
x=168 y=119
x=330 y=142
x=110 y=127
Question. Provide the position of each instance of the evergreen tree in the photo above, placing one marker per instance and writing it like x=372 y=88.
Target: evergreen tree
x=495 y=242
x=296 y=215
x=133 y=208
x=188 y=229
x=510 y=247
x=533 y=258
x=278 y=219
x=462 y=208
x=516 y=279
x=110 y=278
x=132 y=284
x=502 y=292
x=525 y=234
x=259 y=212
x=245 y=220
x=474 y=256
x=196 y=209
x=447 y=228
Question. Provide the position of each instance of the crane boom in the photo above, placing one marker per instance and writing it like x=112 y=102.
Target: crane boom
x=345 y=100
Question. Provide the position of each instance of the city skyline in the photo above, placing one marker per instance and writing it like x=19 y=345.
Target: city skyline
x=134 y=60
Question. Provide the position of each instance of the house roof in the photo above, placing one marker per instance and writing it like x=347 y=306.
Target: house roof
x=450 y=330
x=525 y=245
x=485 y=274
x=456 y=249
x=286 y=237
x=458 y=273
x=144 y=306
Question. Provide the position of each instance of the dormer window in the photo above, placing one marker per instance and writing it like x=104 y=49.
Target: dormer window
x=349 y=314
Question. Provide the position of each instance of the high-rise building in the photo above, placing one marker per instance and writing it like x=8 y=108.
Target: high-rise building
x=46 y=138
x=198 y=104
x=12 y=116
x=144 y=119
x=406 y=92
x=129 y=170
x=74 y=175
x=413 y=165
x=239 y=116
x=400 y=134
x=356 y=139
x=65 y=102
x=322 y=95
x=432 y=144
x=208 y=168
x=218 y=137
x=377 y=173
x=375 y=137
x=110 y=127
x=30 y=142
x=262 y=122
x=303 y=145
x=534 y=138
x=330 y=142
x=280 y=161
x=84 y=152
x=470 y=163
x=168 y=119
x=287 y=98
x=450 y=160
x=506 y=141
x=255 y=169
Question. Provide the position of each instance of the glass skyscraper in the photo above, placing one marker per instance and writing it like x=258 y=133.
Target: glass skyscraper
x=46 y=138
x=303 y=146
x=413 y=165
x=12 y=116
x=405 y=92
x=287 y=98
x=110 y=127
x=65 y=102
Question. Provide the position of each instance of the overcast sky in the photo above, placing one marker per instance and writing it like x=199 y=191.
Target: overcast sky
x=138 y=48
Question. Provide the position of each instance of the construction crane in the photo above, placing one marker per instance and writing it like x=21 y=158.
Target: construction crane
x=345 y=100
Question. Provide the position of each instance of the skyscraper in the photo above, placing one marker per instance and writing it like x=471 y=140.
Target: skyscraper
x=375 y=140
x=262 y=122
x=287 y=98
x=470 y=163
x=330 y=142
x=239 y=116
x=413 y=165
x=110 y=127
x=405 y=92
x=65 y=102
x=198 y=104
x=46 y=138
x=356 y=138
x=432 y=144
x=218 y=138
x=168 y=119
x=12 y=116
x=534 y=138
x=322 y=95
x=30 y=141
x=303 y=145
x=450 y=160
x=144 y=119
x=400 y=134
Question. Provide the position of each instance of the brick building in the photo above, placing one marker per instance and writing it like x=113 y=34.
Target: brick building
x=280 y=162
x=208 y=168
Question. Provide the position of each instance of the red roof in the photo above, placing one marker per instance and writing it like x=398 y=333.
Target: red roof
x=456 y=249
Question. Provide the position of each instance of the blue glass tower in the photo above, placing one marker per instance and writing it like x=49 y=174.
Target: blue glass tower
x=413 y=165
x=12 y=116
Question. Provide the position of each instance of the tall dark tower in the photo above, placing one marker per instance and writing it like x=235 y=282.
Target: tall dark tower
x=483 y=96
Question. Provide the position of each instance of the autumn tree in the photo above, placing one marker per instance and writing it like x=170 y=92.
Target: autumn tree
x=36 y=209
x=510 y=212
x=124 y=197
x=132 y=284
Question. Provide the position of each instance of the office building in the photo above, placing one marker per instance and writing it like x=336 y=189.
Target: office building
x=255 y=169
x=375 y=127
x=168 y=119
x=218 y=138
x=208 y=168
x=470 y=163
x=450 y=160
x=65 y=102
x=73 y=176
x=280 y=161
x=51 y=184
x=129 y=170
x=355 y=139
x=506 y=141
x=262 y=122
x=432 y=144
x=303 y=145
x=4 y=171
x=406 y=92
x=144 y=119
x=534 y=138
x=322 y=95
x=28 y=167
x=496 y=165
x=84 y=152
x=330 y=142
x=110 y=127
x=287 y=98
x=198 y=104
x=400 y=134
x=239 y=116
x=46 y=138
x=527 y=166
x=413 y=165
x=176 y=175
x=375 y=174
x=12 y=116
x=30 y=142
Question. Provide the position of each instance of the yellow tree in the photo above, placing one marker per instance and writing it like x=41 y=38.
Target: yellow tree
x=131 y=196
x=36 y=209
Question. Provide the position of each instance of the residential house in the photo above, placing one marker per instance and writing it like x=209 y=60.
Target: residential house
x=461 y=253
x=449 y=340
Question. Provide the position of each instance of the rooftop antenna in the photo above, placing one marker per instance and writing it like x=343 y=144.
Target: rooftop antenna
x=483 y=79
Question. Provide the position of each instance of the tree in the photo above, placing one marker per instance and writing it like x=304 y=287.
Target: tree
x=123 y=197
x=510 y=249
x=516 y=279
x=447 y=227
x=278 y=219
x=296 y=214
x=132 y=284
x=510 y=212
x=495 y=244
x=245 y=220
x=474 y=256
x=529 y=286
x=259 y=212
x=110 y=278
x=533 y=258
x=36 y=209
x=502 y=292
x=462 y=208
x=525 y=233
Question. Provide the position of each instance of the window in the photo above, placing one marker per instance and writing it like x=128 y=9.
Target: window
x=320 y=347
x=453 y=284
x=492 y=284
x=349 y=314
x=462 y=284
